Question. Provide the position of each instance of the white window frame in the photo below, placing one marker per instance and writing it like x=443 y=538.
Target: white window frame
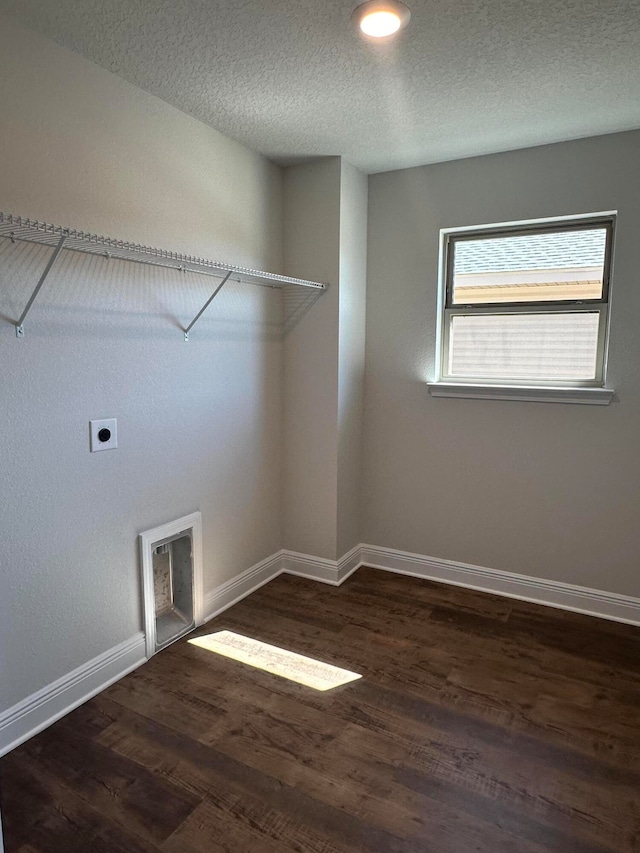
x=582 y=391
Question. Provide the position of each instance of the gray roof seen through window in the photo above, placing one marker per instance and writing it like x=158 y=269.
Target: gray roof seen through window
x=531 y=251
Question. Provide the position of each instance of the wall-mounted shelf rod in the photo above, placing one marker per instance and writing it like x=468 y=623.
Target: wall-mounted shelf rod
x=17 y=228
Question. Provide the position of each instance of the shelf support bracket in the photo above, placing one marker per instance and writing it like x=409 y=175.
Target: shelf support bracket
x=206 y=305
x=43 y=278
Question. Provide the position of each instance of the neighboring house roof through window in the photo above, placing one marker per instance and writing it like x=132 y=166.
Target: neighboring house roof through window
x=567 y=249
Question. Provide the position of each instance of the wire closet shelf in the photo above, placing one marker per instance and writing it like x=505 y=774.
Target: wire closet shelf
x=21 y=229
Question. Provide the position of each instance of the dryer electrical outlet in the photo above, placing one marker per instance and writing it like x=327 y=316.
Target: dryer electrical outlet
x=104 y=434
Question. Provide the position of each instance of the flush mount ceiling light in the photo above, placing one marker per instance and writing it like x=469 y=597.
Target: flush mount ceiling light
x=381 y=18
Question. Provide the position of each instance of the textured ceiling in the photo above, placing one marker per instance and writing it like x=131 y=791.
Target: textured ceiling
x=291 y=79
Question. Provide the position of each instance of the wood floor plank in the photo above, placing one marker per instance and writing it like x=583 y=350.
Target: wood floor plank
x=480 y=724
x=243 y=823
x=42 y=813
x=430 y=593
x=320 y=800
x=454 y=754
x=439 y=748
x=220 y=827
x=142 y=801
x=428 y=675
x=448 y=760
x=485 y=783
x=228 y=791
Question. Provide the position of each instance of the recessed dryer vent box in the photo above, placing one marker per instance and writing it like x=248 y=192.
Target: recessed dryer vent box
x=172 y=580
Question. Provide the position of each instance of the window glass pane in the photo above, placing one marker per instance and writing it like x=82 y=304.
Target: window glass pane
x=529 y=267
x=524 y=346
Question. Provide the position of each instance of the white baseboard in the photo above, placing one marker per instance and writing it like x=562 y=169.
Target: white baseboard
x=43 y=708
x=229 y=593
x=593 y=602
x=333 y=572
x=351 y=561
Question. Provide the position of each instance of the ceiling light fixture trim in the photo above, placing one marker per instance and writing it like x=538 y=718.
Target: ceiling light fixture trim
x=381 y=18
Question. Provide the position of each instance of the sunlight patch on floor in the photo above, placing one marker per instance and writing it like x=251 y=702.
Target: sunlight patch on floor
x=303 y=670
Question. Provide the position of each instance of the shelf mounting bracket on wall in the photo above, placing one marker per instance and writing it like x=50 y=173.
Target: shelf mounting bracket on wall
x=20 y=229
x=206 y=305
x=43 y=278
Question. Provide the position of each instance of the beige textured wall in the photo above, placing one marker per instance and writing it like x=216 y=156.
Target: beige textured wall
x=353 y=297
x=200 y=424
x=549 y=490
x=312 y=250
x=325 y=235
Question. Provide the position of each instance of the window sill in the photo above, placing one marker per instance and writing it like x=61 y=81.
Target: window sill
x=543 y=394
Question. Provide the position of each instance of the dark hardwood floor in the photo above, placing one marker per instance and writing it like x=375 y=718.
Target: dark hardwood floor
x=480 y=724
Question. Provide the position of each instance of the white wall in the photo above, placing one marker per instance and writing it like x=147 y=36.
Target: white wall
x=199 y=423
x=325 y=234
x=353 y=301
x=311 y=250
x=549 y=490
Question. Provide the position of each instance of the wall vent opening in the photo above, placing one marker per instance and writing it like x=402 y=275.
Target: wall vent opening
x=172 y=580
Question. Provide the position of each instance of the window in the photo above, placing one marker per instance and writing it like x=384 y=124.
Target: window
x=526 y=305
